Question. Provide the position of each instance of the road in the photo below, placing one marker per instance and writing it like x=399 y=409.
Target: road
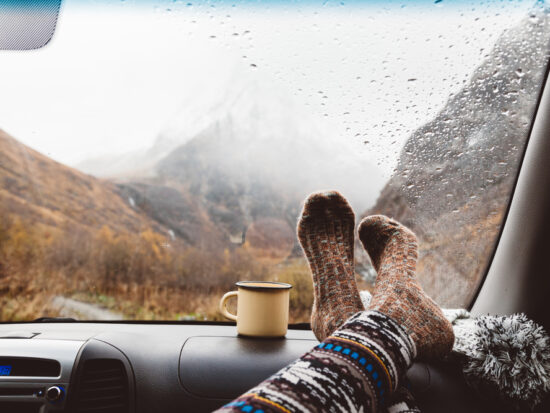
x=80 y=310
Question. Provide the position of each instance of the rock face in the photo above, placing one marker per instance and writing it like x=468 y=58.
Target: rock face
x=172 y=209
x=456 y=173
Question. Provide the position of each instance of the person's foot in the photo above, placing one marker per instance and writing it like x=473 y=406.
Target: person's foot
x=393 y=249
x=325 y=232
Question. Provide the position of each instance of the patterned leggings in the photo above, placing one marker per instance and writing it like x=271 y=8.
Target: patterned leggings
x=357 y=369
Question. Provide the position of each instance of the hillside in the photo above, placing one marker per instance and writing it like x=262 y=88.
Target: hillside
x=145 y=251
x=44 y=192
x=455 y=174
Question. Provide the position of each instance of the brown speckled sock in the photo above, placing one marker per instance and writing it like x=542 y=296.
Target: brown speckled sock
x=325 y=231
x=393 y=250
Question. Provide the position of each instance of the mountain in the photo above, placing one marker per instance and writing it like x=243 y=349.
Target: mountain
x=176 y=210
x=41 y=191
x=236 y=160
x=250 y=166
x=456 y=173
x=258 y=125
x=136 y=163
x=145 y=250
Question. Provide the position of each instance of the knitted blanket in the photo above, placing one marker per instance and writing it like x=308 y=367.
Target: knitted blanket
x=505 y=357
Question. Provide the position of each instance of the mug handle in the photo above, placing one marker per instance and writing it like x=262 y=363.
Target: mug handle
x=223 y=304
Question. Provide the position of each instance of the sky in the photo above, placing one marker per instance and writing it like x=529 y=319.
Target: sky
x=117 y=75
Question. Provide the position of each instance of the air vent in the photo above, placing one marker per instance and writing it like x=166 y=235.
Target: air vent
x=102 y=387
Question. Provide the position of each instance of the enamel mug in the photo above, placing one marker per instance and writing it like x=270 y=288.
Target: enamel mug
x=262 y=308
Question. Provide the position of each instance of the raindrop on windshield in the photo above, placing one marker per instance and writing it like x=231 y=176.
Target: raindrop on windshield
x=519 y=73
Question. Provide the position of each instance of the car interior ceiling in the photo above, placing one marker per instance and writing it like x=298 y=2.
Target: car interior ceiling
x=186 y=366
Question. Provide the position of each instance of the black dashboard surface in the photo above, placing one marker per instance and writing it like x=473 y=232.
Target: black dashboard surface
x=186 y=367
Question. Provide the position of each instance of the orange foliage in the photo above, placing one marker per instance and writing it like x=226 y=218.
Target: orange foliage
x=142 y=275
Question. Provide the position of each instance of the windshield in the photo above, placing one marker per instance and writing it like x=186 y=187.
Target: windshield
x=154 y=153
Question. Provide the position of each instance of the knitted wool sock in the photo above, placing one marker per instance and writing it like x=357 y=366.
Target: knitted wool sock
x=354 y=370
x=325 y=231
x=393 y=251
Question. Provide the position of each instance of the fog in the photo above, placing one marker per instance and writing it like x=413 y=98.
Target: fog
x=122 y=84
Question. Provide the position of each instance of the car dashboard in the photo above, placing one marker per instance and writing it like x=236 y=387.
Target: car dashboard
x=163 y=367
x=123 y=367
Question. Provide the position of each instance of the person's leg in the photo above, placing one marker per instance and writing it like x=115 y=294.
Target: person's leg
x=325 y=231
x=393 y=249
x=360 y=365
x=326 y=234
x=354 y=370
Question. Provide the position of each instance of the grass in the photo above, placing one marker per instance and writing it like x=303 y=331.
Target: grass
x=135 y=275
x=183 y=304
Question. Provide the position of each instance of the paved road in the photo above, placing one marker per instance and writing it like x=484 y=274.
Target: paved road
x=82 y=311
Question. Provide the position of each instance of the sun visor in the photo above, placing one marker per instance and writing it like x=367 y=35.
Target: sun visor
x=27 y=24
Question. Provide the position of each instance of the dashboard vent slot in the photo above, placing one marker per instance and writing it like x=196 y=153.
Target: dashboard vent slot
x=103 y=387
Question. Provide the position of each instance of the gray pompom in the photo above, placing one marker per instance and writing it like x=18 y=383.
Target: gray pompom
x=511 y=360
